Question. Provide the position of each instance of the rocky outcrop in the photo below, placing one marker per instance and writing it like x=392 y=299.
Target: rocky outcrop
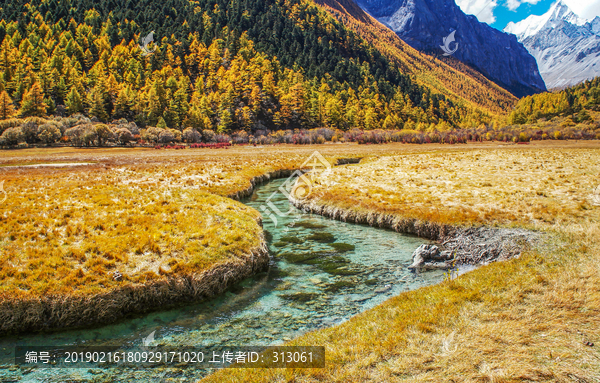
x=424 y=24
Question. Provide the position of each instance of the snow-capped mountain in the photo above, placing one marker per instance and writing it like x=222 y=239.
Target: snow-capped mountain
x=425 y=24
x=565 y=46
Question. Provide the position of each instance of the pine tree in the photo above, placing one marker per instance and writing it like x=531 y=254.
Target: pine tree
x=7 y=110
x=225 y=121
x=33 y=102
x=121 y=104
x=97 y=107
x=73 y=102
x=161 y=123
x=179 y=106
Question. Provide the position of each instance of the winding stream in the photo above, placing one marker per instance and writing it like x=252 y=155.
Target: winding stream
x=322 y=272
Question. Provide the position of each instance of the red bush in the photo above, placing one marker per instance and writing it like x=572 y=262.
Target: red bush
x=219 y=145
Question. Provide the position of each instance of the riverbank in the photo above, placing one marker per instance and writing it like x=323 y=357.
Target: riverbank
x=51 y=312
x=86 y=247
x=458 y=246
x=100 y=253
x=531 y=318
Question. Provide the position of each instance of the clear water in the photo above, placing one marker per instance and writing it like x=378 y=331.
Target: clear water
x=309 y=285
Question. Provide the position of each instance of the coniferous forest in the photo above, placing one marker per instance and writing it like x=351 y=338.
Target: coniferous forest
x=220 y=67
x=575 y=102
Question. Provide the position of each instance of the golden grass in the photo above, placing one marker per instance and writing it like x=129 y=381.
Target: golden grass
x=152 y=216
x=484 y=186
x=76 y=233
x=522 y=320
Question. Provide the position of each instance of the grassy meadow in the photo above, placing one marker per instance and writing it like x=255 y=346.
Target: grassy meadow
x=528 y=319
x=152 y=217
x=154 y=214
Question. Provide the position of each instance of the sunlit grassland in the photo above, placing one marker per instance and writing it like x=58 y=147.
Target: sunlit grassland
x=73 y=235
x=490 y=186
x=148 y=215
x=527 y=319
x=153 y=214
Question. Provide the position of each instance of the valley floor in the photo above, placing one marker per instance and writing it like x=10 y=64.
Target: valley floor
x=527 y=319
x=535 y=318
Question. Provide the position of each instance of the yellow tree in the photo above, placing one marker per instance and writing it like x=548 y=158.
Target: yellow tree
x=7 y=110
x=33 y=102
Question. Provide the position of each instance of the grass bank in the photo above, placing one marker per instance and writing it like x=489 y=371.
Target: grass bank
x=134 y=231
x=527 y=319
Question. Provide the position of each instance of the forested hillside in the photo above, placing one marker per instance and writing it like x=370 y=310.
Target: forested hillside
x=449 y=77
x=574 y=102
x=219 y=64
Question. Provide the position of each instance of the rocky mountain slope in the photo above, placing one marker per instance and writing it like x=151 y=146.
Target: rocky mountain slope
x=452 y=78
x=424 y=24
x=566 y=47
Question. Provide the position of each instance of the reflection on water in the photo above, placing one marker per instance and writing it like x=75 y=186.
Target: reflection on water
x=322 y=272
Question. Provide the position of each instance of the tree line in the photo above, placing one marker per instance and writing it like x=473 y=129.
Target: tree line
x=574 y=101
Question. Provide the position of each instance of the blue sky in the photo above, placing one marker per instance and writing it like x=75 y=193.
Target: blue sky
x=498 y=13
x=503 y=15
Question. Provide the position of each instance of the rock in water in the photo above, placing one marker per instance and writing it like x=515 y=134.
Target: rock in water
x=429 y=257
x=423 y=254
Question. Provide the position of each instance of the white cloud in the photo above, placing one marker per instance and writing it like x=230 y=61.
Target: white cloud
x=483 y=9
x=588 y=9
x=514 y=4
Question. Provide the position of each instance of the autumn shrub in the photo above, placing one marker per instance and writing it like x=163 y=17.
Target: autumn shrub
x=151 y=134
x=191 y=135
x=10 y=123
x=240 y=137
x=76 y=134
x=523 y=137
x=12 y=137
x=209 y=136
x=353 y=135
x=221 y=138
x=30 y=129
x=49 y=133
x=123 y=135
x=166 y=137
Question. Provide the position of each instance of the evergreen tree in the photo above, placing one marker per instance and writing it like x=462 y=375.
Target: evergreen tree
x=73 y=101
x=33 y=102
x=97 y=107
x=161 y=123
x=7 y=110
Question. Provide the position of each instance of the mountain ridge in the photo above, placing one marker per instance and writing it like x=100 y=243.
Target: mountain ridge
x=472 y=87
x=424 y=23
x=566 y=46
